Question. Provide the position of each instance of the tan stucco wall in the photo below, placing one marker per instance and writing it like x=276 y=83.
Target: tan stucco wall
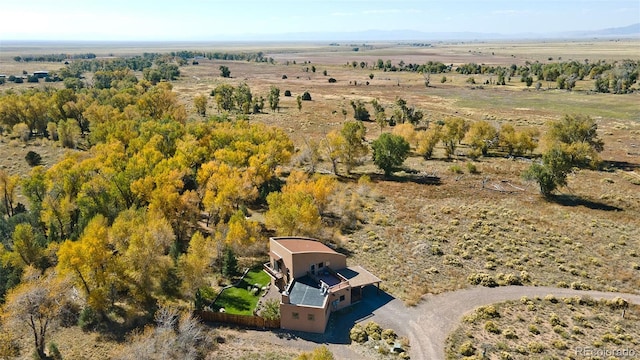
x=341 y=304
x=302 y=262
x=302 y=323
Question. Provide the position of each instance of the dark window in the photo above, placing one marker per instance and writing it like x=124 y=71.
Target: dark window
x=341 y=297
x=320 y=266
x=295 y=315
x=310 y=317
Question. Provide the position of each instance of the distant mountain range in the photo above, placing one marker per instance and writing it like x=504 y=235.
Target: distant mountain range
x=411 y=35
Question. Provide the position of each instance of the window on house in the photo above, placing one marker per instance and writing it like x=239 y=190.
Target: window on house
x=295 y=315
x=313 y=268
x=342 y=298
x=320 y=266
x=310 y=317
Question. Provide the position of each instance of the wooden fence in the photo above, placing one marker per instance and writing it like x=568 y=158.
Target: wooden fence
x=242 y=320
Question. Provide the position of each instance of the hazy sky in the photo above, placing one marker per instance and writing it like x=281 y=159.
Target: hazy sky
x=223 y=19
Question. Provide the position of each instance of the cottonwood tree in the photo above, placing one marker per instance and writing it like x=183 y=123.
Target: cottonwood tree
x=360 y=112
x=389 y=152
x=517 y=142
x=452 y=133
x=195 y=265
x=297 y=209
x=224 y=71
x=243 y=98
x=25 y=249
x=574 y=143
x=427 y=141
x=92 y=264
x=353 y=147
x=224 y=97
x=177 y=335
x=38 y=302
x=8 y=186
x=481 y=137
x=200 y=102
x=274 y=98
x=379 y=114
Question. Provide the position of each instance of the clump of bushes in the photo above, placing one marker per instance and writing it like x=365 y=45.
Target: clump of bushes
x=373 y=330
x=357 y=334
x=287 y=93
x=467 y=349
x=482 y=279
x=33 y=158
x=306 y=96
x=332 y=80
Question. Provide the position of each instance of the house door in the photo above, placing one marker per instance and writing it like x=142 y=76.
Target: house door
x=356 y=294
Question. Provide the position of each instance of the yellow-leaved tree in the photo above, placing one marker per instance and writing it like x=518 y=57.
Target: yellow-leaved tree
x=142 y=240
x=195 y=265
x=92 y=264
x=297 y=209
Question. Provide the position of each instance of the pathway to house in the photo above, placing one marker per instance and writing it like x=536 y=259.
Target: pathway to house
x=427 y=324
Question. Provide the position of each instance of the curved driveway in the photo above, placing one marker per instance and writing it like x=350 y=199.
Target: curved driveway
x=427 y=324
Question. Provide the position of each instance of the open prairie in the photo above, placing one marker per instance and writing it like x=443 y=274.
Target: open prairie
x=421 y=236
x=489 y=221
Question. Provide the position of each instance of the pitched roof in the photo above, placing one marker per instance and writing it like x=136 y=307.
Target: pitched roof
x=302 y=245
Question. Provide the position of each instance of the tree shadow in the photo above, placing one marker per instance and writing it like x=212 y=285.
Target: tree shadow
x=417 y=178
x=610 y=165
x=572 y=200
x=228 y=299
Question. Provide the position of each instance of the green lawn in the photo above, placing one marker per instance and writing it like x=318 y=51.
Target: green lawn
x=238 y=300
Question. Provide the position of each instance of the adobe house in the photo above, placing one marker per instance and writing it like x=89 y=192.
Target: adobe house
x=314 y=281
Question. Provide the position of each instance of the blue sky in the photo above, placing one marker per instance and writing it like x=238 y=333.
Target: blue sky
x=224 y=19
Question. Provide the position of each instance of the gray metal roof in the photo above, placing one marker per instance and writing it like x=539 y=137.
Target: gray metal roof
x=306 y=292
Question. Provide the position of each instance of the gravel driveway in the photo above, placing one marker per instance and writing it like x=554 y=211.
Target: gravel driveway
x=427 y=324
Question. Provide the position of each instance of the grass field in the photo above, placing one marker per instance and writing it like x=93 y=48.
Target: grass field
x=239 y=299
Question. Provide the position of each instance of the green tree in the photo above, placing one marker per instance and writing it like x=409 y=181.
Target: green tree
x=299 y=102
x=389 y=151
x=224 y=97
x=360 y=112
x=274 y=98
x=574 y=144
x=243 y=98
x=229 y=263
x=353 y=147
x=224 y=71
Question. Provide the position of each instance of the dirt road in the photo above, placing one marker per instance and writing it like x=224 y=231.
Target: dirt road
x=428 y=324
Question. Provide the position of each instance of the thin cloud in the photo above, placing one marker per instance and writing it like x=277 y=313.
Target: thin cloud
x=382 y=12
x=510 y=12
x=391 y=11
x=342 y=14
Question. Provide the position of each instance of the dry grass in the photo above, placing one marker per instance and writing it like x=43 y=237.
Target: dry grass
x=545 y=328
x=423 y=238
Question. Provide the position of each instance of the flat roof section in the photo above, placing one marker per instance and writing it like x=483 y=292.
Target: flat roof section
x=306 y=292
x=301 y=245
x=358 y=276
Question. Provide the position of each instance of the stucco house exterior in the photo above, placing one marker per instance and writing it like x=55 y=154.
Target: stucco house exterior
x=314 y=281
